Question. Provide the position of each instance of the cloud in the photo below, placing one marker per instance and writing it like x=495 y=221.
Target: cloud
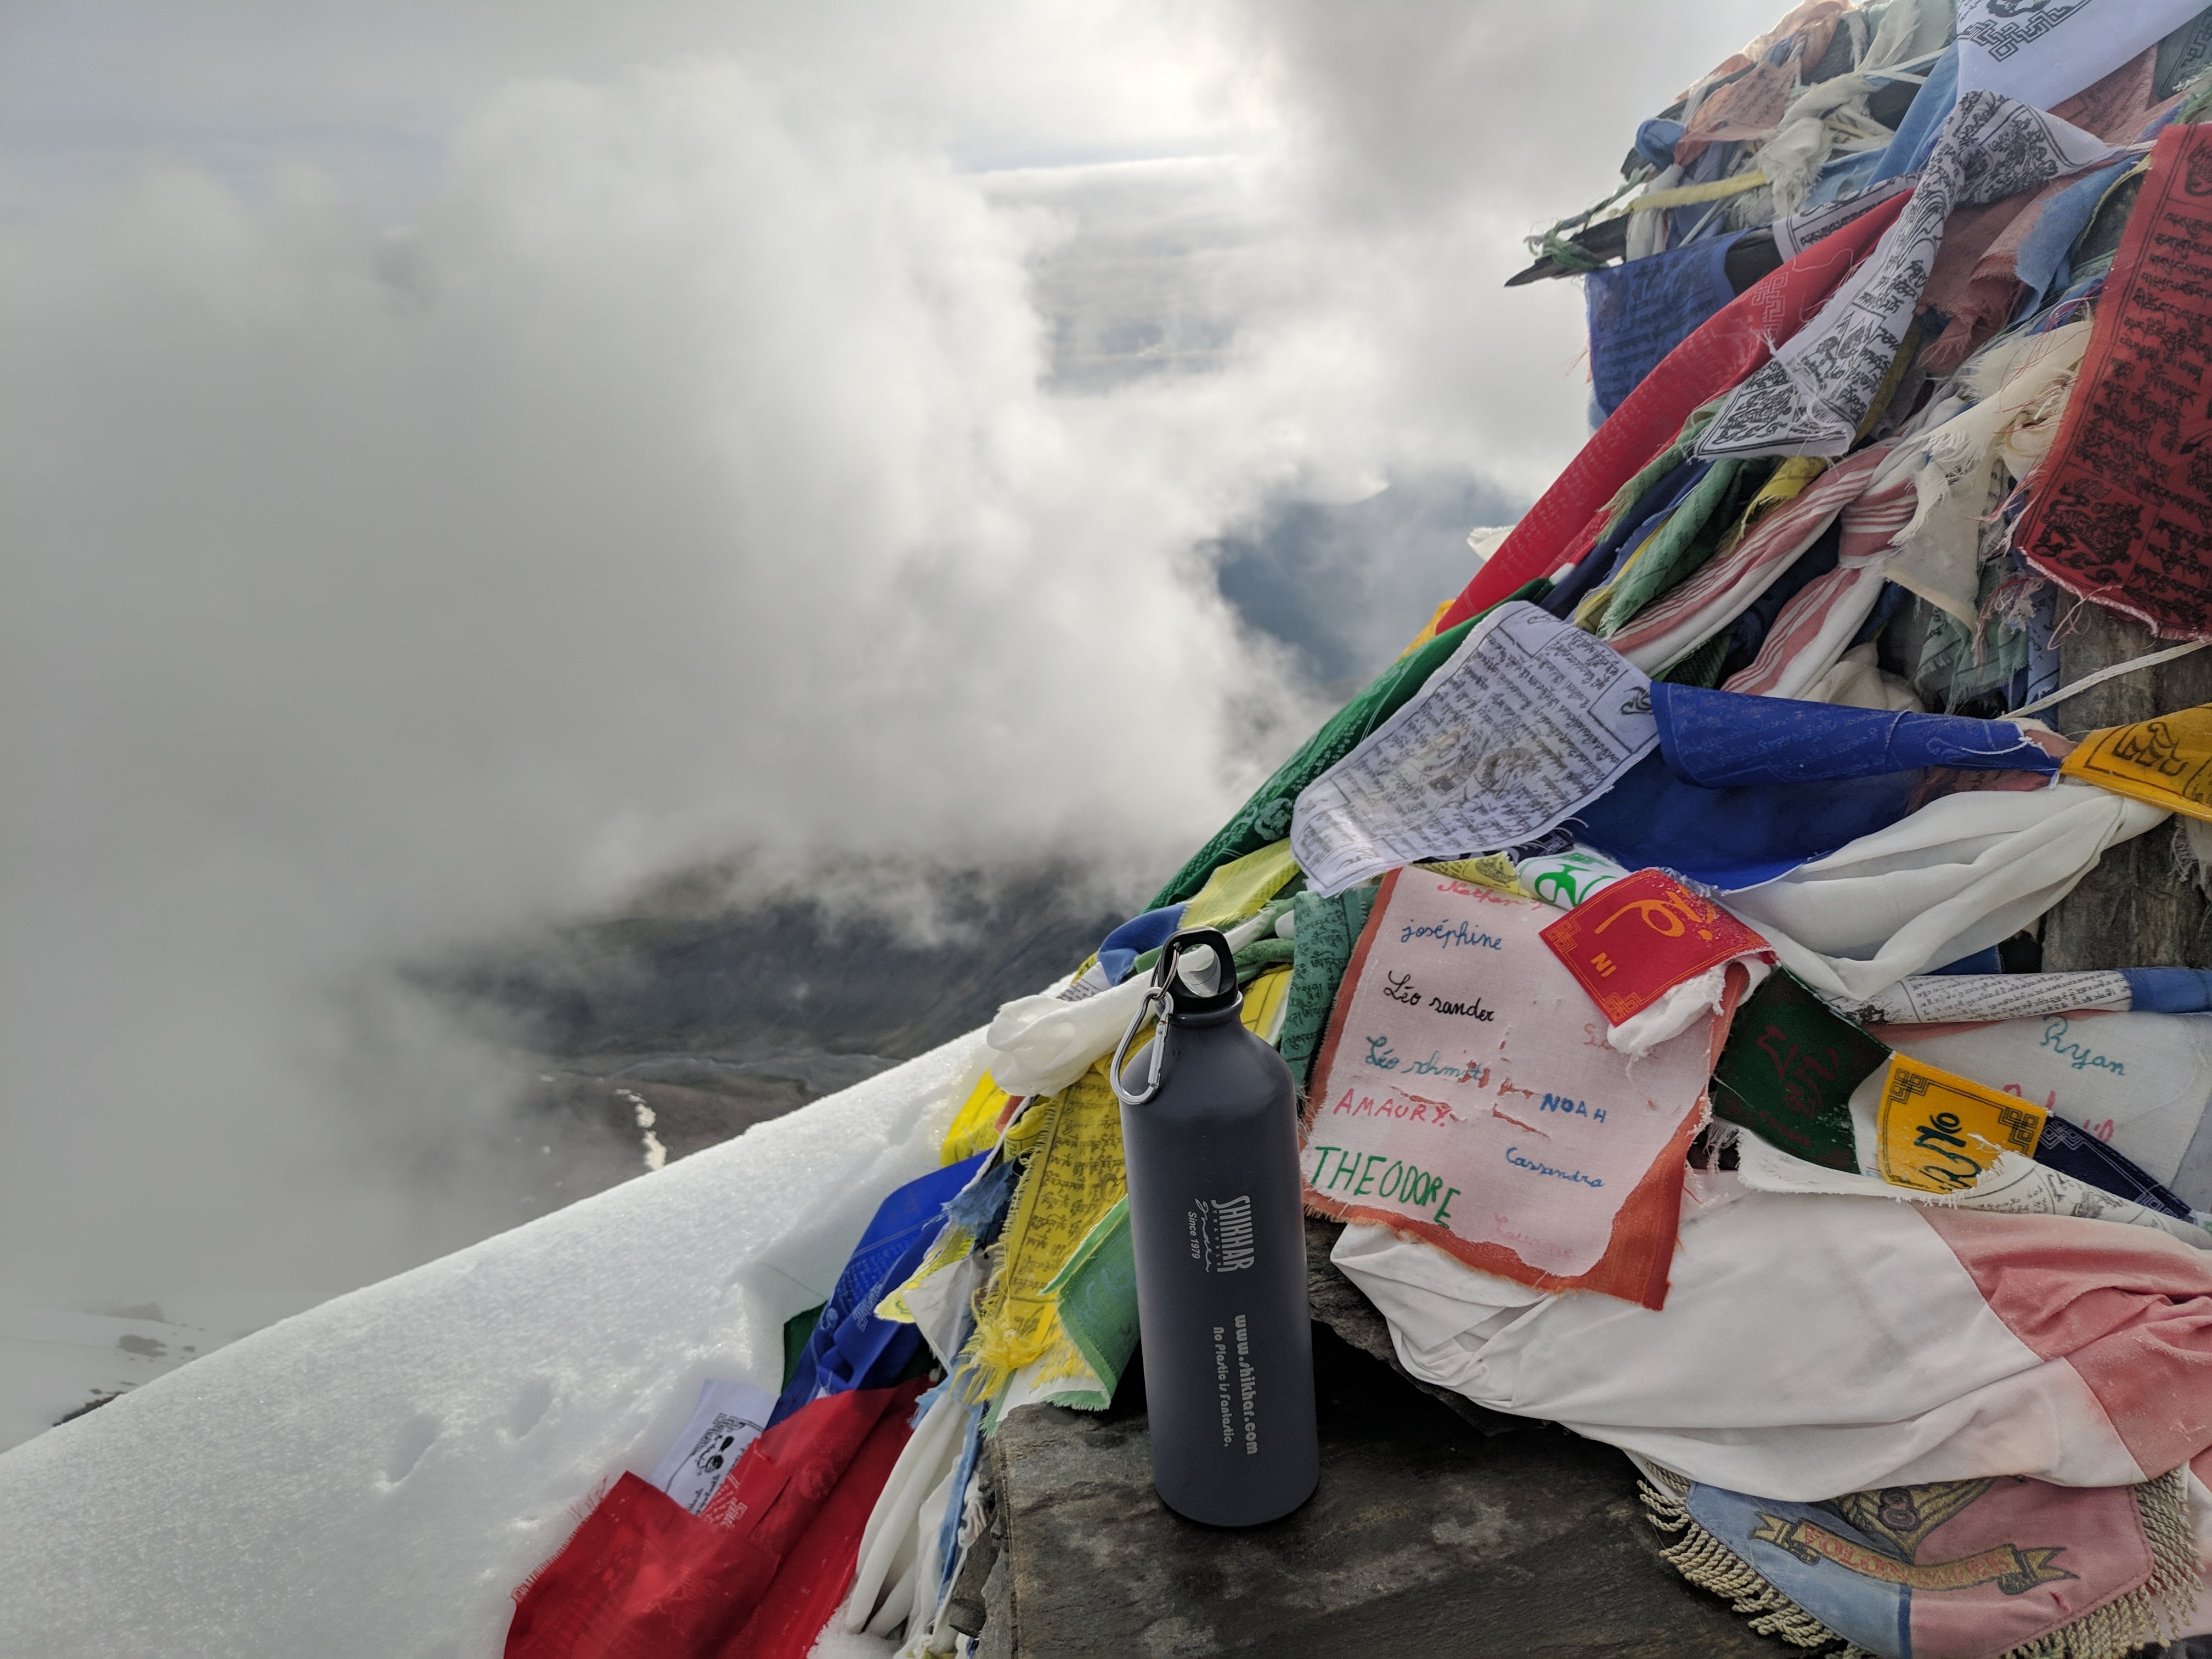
x=454 y=467
x=684 y=480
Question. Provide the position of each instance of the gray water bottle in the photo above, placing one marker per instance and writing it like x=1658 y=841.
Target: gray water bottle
x=1209 y=1129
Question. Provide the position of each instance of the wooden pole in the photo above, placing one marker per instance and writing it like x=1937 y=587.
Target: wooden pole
x=2137 y=908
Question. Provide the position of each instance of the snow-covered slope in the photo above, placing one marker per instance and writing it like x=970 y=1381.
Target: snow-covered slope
x=58 y=1360
x=374 y=1476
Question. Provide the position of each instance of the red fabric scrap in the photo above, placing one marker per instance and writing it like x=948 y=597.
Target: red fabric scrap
x=817 y=1569
x=643 y=1579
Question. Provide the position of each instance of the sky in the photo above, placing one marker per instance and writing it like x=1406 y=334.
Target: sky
x=460 y=461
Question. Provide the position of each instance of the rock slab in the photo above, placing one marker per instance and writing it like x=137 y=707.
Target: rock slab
x=1430 y=1535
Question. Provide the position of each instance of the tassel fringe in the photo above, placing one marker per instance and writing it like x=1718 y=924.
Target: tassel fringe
x=2153 y=1612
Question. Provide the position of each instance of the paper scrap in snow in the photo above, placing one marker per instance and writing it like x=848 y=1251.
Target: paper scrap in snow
x=2166 y=762
x=728 y=1417
x=1467 y=1096
x=1938 y=1131
x=1642 y=937
x=1530 y=720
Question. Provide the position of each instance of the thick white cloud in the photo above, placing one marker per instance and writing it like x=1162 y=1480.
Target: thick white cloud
x=685 y=480
x=455 y=462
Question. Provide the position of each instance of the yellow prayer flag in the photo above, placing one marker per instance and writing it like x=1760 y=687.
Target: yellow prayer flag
x=2166 y=762
x=1240 y=887
x=1939 y=1132
x=975 y=1125
x=1074 y=1175
x=1492 y=869
x=1265 y=999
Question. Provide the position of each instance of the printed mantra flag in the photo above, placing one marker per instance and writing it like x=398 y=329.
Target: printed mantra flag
x=1531 y=721
x=1811 y=397
x=1467 y=1096
x=2166 y=762
x=2122 y=513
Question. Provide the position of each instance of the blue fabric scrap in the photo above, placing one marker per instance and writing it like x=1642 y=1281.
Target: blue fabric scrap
x=1641 y=309
x=980 y=1206
x=851 y=1347
x=2043 y=259
x=1724 y=740
x=2073 y=1150
x=1656 y=140
x=1732 y=839
x=2170 y=990
x=1914 y=139
x=1987 y=960
x=1871 y=1612
x=1121 y=948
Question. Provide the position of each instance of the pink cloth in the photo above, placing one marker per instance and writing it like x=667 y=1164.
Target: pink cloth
x=1815 y=628
x=1466 y=1095
x=2134 y=1320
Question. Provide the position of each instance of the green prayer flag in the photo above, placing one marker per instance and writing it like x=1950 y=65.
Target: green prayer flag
x=1097 y=1293
x=798 y=1331
x=1323 y=933
x=1788 y=1073
x=1687 y=540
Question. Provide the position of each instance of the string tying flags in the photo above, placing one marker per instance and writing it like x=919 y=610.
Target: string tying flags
x=1556 y=244
x=2089 y=682
x=1690 y=195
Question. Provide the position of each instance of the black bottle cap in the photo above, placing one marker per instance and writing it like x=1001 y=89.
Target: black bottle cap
x=1177 y=976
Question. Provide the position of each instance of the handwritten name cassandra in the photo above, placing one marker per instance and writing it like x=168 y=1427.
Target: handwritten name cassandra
x=1446 y=934
x=1536 y=1167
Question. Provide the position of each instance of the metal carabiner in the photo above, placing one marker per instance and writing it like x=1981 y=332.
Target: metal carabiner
x=1161 y=996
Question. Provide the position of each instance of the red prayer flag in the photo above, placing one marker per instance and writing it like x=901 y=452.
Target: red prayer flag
x=643 y=1579
x=2121 y=512
x=1634 y=940
x=817 y=1569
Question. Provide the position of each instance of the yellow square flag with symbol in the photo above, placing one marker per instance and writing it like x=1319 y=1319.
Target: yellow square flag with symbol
x=2166 y=762
x=1940 y=1132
